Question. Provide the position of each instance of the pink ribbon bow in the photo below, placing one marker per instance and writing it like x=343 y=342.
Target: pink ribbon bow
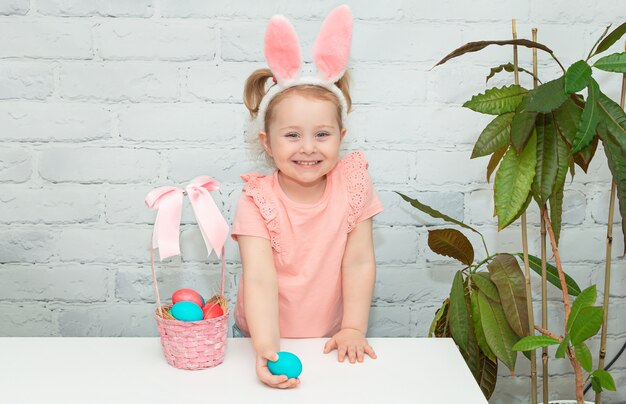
x=168 y=202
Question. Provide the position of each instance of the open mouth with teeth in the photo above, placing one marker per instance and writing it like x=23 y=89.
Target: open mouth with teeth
x=308 y=163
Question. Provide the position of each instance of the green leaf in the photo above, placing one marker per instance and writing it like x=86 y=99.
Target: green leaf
x=596 y=384
x=617 y=165
x=498 y=333
x=556 y=199
x=522 y=124
x=451 y=243
x=476 y=359
x=584 y=356
x=562 y=349
x=547 y=159
x=577 y=77
x=478 y=328
x=615 y=119
x=511 y=283
x=588 y=120
x=441 y=313
x=513 y=181
x=587 y=324
x=459 y=318
x=586 y=298
x=485 y=285
x=547 y=97
x=494 y=160
x=583 y=157
x=497 y=101
x=509 y=68
x=556 y=213
x=615 y=62
x=613 y=37
x=552 y=274
x=442 y=326
x=479 y=45
x=435 y=213
x=487 y=375
x=495 y=136
x=533 y=342
x=568 y=118
x=605 y=378
x=614 y=141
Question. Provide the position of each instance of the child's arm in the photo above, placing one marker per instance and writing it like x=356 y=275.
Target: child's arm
x=358 y=275
x=260 y=293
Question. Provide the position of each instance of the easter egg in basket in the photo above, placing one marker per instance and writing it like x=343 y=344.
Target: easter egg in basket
x=212 y=310
x=287 y=364
x=187 y=295
x=186 y=311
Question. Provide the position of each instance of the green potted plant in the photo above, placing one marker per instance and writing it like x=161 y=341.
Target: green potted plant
x=486 y=312
x=536 y=137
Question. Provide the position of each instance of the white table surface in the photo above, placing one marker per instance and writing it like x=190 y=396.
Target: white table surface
x=133 y=370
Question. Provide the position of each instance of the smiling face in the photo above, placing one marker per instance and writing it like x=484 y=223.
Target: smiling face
x=303 y=139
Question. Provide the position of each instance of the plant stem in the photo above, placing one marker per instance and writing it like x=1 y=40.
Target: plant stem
x=575 y=364
x=607 y=268
x=485 y=260
x=557 y=60
x=580 y=395
x=548 y=333
x=484 y=244
x=559 y=266
x=597 y=42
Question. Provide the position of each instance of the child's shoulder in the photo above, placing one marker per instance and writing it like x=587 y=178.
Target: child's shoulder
x=354 y=160
x=253 y=177
x=257 y=185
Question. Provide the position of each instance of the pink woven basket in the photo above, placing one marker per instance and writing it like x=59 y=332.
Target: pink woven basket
x=192 y=345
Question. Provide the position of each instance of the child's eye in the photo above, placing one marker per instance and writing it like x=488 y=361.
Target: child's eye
x=323 y=134
x=292 y=135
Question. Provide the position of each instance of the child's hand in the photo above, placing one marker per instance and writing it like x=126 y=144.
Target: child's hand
x=350 y=342
x=264 y=374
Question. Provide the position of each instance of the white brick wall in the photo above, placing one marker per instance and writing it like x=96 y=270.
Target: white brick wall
x=103 y=100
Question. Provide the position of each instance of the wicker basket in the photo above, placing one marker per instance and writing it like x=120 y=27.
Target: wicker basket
x=192 y=345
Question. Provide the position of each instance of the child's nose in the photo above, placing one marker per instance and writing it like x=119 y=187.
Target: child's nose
x=308 y=145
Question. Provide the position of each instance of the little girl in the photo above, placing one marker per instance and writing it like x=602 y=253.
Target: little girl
x=305 y=231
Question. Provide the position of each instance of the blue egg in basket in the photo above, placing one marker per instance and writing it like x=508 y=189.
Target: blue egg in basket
x=287 y=364
x=186 y=311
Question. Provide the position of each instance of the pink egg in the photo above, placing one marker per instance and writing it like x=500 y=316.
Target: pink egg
x=212 y=310
x=187 y=295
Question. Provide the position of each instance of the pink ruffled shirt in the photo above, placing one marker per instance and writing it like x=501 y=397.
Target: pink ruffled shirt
x=308 y=243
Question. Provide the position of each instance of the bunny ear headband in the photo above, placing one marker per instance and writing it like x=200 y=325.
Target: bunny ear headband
x=330 y=54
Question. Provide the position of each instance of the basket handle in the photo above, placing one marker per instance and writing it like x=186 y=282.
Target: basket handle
x=168 y=203
x=156 y=285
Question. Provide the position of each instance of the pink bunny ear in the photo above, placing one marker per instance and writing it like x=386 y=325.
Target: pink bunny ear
x=332 y=46
x=282 y=49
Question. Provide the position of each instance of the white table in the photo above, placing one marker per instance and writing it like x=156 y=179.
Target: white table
x=133 y=370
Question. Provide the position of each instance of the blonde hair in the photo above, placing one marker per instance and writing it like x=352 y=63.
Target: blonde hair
x=255 y=90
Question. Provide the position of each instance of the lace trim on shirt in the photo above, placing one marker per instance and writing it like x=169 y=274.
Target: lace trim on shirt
x=255 y=188
x=354 y=167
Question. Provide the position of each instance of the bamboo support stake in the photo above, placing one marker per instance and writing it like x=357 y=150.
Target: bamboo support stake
x=529 y=300
x=544 y=275
x=607 y=268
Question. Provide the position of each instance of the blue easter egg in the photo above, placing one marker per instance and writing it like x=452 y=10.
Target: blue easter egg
x=287 y=364
x=187 y=311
